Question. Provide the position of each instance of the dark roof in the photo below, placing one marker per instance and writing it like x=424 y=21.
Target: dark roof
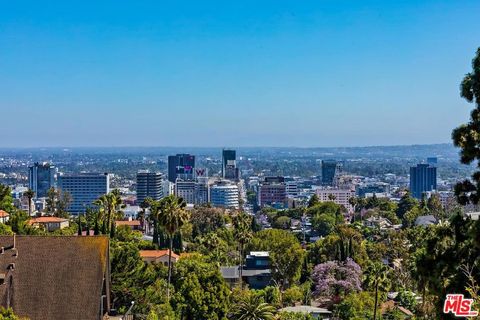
x=54 y=277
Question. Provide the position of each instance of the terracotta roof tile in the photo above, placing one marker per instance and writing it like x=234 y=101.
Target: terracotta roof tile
x=3 y=214
x=45 y=220
x=127 y=223
x=157 y=254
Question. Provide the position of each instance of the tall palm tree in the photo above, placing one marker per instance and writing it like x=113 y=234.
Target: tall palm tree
x=376 y=276
x=253 y=308
x=153 y=218
x=29 y=194
x=243 y=233
x=172 y=216
x=112 y=206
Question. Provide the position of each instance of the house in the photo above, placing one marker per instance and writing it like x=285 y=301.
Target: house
x=314 y=312
x=256 y=272
x=473 y=215
x=49 y=223
x=55 y=278
x=4 y=216
x=158 y=256
x=425 y=220
x=378 y=222
x=134 y=225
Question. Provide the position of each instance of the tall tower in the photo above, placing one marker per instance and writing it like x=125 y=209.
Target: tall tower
x=149 y=184
x=181 y=166
x=229 y=164
x=423 y=178
x=41 y=177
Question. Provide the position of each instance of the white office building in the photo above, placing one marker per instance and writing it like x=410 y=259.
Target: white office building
x=84 y=189
x=225 y=195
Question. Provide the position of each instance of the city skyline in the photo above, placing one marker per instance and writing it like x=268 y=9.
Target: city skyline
x=243 y=74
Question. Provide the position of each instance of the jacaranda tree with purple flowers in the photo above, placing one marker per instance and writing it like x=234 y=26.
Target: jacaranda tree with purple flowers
x=337 y=278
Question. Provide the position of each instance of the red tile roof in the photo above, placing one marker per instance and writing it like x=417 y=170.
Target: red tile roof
x=45 y=220
x=157 y=254
x=3 y=214
x=127 y=223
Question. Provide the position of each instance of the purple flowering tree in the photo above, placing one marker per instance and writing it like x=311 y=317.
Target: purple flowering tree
x=335 y=278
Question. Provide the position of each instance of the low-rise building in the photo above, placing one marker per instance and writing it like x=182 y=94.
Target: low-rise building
x=158 y=256
x=4 y=216
x=256 y=272
x=134 y=225
x=338 y=196
x=49 y=223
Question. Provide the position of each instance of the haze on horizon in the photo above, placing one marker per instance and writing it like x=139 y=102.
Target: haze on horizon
x=245 y=73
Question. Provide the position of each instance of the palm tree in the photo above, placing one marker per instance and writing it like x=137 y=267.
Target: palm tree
x=153 y=218
x=29 y=194
x=111 y=204
x=172 y=216
x=376 y=276
x=243 y=234
x=253 y=308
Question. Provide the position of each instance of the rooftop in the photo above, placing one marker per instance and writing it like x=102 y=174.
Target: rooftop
x=157 y=254
x=127 y=223
x=45 y=220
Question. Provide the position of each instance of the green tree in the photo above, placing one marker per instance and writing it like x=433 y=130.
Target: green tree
x=313 y=201
x=286 y=254
x=282 y=222
x=356 y=306
x=205 y=219
x=243 y=233
x=5 y=230
x=376 y=277
x=467 y=136
x=407 y=203
x=7 y=314
x=200 y=290
x=29 y=194
x=172 y=217
x=252 y=308
x=110 y=206
x=6 y=200
x=435 y=207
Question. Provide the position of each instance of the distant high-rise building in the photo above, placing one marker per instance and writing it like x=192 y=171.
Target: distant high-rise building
x=330 y=168
x=185 y=189
x=202 y=187
x=181 y=166
x=149 y=185
x=423 y=178
x=224 y=194
x=272 y=192
x=84 y=189
x=41 y=177
x=229 y=164
x=432 y=161
x=336 y=195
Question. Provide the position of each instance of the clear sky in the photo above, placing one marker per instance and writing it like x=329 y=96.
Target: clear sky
x=233 y=73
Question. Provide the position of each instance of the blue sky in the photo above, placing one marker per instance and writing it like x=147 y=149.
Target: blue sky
x=233 y=73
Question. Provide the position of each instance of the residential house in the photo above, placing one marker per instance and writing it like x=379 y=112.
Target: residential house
x=49 y=223
x=313 y=312
x=158 y=256
x=4 y=216
x=134 y=225
x=256 y=272
x=425 y=220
